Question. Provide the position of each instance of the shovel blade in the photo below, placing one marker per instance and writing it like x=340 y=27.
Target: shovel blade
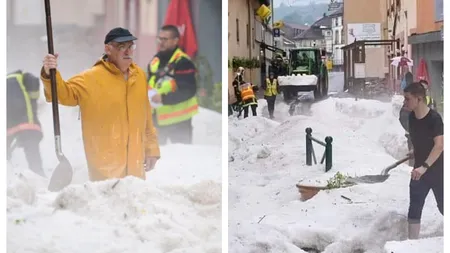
x=62 y=175
x=369 y=179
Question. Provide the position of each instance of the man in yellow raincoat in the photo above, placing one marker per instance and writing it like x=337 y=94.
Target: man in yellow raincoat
x=118 y=133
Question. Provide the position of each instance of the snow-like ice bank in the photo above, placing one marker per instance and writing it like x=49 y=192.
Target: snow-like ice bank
x=177 y=209
x=297 y=80
x=132 y=217
x=266 y=214
x=427 y=245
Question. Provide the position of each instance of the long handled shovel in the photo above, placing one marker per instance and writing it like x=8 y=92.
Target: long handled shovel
x=63 y=173
x=372 y=179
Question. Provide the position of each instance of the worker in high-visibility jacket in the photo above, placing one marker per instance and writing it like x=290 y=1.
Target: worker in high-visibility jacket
x=238 y=80
x=248 y=98
x=23 y=126
x=172 y=75
x=430 y=101
x=271 y=90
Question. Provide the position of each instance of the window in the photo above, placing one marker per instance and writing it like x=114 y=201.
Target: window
x=336 y=37
x=237 y=30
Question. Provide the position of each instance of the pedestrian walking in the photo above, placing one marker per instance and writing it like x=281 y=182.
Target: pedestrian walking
x=271 y=90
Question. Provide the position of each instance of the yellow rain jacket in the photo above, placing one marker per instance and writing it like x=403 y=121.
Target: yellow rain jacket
x=118 y=130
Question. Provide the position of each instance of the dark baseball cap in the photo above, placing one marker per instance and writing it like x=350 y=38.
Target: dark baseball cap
x=119 y=35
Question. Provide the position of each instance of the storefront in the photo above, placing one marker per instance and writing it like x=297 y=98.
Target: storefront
x=430 y=47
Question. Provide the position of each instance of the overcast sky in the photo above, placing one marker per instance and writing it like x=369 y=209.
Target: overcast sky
x=276 y=3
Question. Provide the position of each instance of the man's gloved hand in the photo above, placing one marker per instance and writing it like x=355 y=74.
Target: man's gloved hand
x=166 y=85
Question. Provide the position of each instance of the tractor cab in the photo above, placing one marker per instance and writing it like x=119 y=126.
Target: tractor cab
x=305 y=61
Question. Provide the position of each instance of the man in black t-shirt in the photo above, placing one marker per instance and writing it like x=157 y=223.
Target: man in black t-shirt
x=426 y=130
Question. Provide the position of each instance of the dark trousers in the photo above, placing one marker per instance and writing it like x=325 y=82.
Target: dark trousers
x=418 y=191
x=271 y=104
x=177 y=133
x=29 y=141
x=253 y=110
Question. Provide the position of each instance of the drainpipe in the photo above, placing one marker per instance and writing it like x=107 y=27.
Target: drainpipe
x=249 y=7
x=249 y=20
x=271 y=10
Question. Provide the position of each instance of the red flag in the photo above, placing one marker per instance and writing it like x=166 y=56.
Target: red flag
x=422 y=72
x=178 y=15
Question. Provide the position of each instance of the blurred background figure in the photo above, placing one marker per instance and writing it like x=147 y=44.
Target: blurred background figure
x=172 y=75
x=22 y=121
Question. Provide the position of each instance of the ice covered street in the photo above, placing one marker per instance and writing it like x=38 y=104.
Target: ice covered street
x=268 y=158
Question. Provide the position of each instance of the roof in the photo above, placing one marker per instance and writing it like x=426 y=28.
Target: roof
x=296 y=26
x=313 y=33
x=324 y=21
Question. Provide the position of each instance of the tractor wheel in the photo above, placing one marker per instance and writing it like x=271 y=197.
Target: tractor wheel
x=318 y=90
x=325 y=86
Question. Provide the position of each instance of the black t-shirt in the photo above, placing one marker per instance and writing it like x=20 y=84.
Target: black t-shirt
x=422 y=132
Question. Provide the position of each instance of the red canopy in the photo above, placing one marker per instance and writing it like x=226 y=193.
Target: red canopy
x=178 y=14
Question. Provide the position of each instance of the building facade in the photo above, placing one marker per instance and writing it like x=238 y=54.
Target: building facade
x=245 y=33
x=367 y=25
x=427 y=44
x=337 y=27
x=319 y=34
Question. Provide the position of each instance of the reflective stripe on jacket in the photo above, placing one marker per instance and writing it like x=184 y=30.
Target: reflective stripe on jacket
x=271 y=89
x=171 y=114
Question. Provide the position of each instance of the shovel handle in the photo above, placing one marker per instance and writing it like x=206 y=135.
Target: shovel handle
x=56 y=124
x=397 y=163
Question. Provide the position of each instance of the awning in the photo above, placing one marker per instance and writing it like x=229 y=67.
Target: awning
x=425 y=38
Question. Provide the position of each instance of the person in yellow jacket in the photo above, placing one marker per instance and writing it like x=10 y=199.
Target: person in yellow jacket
x=172 y=79
x=118 y=133
x=271 y=90
x=429 y=100
x=248 y=98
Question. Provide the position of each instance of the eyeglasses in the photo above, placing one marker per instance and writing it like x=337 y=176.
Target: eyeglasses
x=124 y=47
x=162 y=39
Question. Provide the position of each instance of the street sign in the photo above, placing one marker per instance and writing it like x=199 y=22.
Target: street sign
x=276 y=33
x=334 y=5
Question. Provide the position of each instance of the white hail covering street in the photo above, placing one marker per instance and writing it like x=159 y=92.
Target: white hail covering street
x=178 y=208
x=268 y=158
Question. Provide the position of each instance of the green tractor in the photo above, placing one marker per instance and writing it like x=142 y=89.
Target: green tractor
x=307 y=72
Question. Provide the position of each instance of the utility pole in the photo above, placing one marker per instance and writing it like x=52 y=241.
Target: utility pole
x=272 y=19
